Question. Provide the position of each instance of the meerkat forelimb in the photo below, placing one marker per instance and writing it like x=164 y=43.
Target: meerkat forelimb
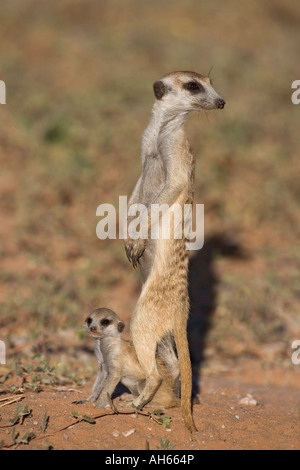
x=167 y=178
x=118 y=362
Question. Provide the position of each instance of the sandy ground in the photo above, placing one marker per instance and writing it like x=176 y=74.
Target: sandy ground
x=222 y=422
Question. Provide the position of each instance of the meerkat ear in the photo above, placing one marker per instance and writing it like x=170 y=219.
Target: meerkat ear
x=159 y=89
x=121 y=326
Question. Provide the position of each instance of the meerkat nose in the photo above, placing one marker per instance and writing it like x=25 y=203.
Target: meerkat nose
x=220 y=103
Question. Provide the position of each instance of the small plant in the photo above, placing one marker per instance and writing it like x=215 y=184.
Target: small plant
x=165 y=444
x=14 y=435
x=27 y=438
x=165 y=421
x=45 y=422
x=85 y=418
x=113 y=407
x=20 y=415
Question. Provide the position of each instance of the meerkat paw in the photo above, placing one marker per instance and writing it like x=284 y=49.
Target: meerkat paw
x=134 y=250
x=136 y=403
x=82 y=402
x=126 y=400
x=127 y=397
x=90 y=399
x=102 y=403
x=155 y=406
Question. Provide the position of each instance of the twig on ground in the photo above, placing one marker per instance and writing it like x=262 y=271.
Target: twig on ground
x=14 y=400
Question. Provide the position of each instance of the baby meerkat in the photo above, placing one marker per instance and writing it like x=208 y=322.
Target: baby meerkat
x=118 y=362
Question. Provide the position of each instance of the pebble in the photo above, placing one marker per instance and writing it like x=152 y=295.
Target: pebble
x=128 y=433
x=116 y=433
x=248 y=400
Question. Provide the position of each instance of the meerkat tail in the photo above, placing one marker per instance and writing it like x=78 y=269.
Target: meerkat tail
x=185 y=376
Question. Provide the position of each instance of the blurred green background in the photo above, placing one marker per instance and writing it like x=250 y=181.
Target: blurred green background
x=79 y=77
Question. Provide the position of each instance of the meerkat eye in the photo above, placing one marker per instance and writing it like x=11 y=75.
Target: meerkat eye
x=194 y=87
x=105 y=322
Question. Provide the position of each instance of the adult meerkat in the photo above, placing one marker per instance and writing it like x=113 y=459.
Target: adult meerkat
x=117 y=362
x=167 y=178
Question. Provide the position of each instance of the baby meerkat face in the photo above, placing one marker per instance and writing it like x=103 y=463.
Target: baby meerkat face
x=103 y=322
x=187 y=91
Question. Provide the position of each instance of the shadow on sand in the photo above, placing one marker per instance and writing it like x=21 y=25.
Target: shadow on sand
x=203 y=287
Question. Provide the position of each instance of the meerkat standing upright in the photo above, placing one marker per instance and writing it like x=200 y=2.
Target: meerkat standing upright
x=167 y=178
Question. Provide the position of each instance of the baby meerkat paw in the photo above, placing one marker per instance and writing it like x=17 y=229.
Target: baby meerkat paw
x=126 y=400
x=155 y=406
x=127 y=397
x=134 y=250
x=102 y=403
x=79 y=402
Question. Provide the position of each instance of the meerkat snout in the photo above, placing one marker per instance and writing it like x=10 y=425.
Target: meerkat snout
x=220 y=103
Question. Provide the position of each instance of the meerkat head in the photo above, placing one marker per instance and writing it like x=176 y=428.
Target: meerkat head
x=187 y=91
x=103 y=322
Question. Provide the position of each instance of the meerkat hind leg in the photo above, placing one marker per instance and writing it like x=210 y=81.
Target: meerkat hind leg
x=147 y=359
x=166 y=350
x=151 y=386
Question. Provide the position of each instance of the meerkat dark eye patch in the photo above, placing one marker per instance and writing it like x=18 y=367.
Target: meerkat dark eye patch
x=105 y=322
x=194 y=87
x=159 y=89
x=88 y=320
